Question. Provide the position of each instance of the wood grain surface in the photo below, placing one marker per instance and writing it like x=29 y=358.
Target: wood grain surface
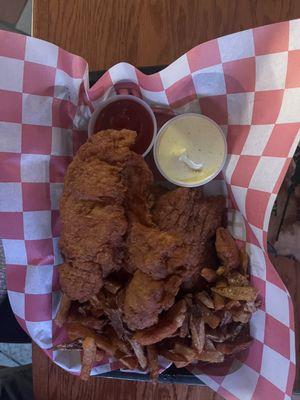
x=148 y=32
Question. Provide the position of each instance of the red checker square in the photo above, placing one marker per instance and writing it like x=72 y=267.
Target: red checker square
x=55 y=223
x=281 y=140
x=21 y=323
x=291 y=379
x=39 y=252
x=11 y=106
x=36 y=196
x=38 y=79
x=254 y=356
x=100 y=87
x=15 y=277
x=266 y=107
x=256 y=205
x=75 y=66
x=272 y=275
x=58 y=168
x=10 y=167
x=266 y=390
x=244 y=170
x=38 y=307
x=240 y=75
x=12 y=45
x=271 y=38
x=291 y=313
x=63 y=113
x=293 y=68
x=250 y=237
x=11 y=225
x=260 y=284
x=226 y=395
x=150 y=82
x=279 y=341
x=231 y=197
x=55 y=279
x=282 y=175
x=215 y=107
x=79 y=138
x=181 y=92
x=204 y=55
x=236 y=138
x=36 y=139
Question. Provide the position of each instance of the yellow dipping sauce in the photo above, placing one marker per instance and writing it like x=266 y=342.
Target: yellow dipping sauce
x=196 y=139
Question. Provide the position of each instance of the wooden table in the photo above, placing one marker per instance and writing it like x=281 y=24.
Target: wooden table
x=145 y=32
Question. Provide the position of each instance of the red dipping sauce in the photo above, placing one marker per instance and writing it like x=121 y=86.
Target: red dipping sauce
x=128 y=114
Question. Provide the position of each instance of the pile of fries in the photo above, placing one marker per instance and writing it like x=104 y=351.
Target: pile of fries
x=207 y=325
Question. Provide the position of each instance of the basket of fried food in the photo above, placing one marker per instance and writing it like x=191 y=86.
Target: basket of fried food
x=147 y=272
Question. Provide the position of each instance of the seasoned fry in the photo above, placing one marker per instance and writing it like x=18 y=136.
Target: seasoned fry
x=244 y=260
x=232 y=304
x=248 y=293
x=219 y=301
x=78 y=331
x=211 y=356
x=166 y=326
x=205 y=299
x=152 y=359
x=179 y=360
x=63 y=310
x=88 y=358
x=187 y=352
x=209 y=274
x=227 y=249
x=139 y=352
x=232 y=348
x=209 y=317
x=234 y=278
x=130 y=362
x=197 y=329
x=100 y=354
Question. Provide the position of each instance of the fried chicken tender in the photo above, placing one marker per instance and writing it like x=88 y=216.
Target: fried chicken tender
x=146 y=298
x=101 y=189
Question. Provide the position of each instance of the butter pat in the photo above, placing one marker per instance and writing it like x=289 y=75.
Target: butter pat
x=190 y=150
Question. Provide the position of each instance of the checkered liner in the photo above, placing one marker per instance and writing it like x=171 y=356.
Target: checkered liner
x=248 y=82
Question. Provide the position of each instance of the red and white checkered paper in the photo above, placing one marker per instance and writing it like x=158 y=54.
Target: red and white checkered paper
x=248 y=82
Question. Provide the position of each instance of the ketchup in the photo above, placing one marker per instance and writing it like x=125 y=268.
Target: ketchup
x=127 y=114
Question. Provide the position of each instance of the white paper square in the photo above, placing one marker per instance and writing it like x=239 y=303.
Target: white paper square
x=17 y=302
x=240 y=108
x=10 y=137
x=159 y=98
x=229 y=166
x=37 y=225
x=275 y=367
x=62 y=142
x=35 y=168
x=41 y=52
x=269 y=211
x=81 y=118
x=11 y=197
x=11 y=76
x=240 y=194
x=56 y=190
x=206 y=379
x=14 y=251
x=56 y=296
x=236 y=46
x=237 y=228
x=257 y=139
x=66 y=87
x=177 y=70
x=123 y=72
x=266 y=173
x=41 y=333
x=57 y=255
x=257 y=325
x=294 y=34
x=30 y=104
x=210 y=81
x=270 y=71
x=257 y=261
x=290 y=108
x=39 y=279
x=277 y=303
x=258 y=233
x=242 y=382
x=292 y=347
